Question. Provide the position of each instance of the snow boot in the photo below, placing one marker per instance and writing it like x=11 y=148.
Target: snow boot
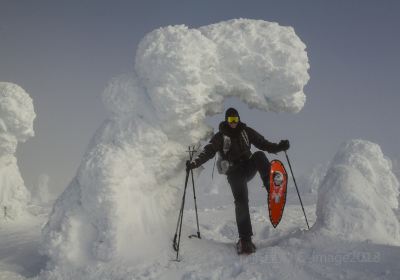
x=245 y=246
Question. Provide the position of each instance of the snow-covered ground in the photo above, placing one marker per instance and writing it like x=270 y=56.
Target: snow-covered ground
x=20 y=245
x=287 y=252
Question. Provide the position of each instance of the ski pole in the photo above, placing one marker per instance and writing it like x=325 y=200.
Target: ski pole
x=297 y=189
x=180 y=220
x=195 y=200
x=177 y=236
x=175 y=245
x=212 y=174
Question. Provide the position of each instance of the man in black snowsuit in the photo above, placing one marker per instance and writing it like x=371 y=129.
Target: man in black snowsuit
x=233 y=143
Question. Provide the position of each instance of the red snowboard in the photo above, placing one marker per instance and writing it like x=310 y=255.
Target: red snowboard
x=277 y=195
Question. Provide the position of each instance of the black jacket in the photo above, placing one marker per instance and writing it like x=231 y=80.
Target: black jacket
x=240 y=144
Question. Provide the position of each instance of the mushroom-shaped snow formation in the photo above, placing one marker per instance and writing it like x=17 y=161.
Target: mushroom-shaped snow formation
x=117 y=206
x=358 y=195
x=16 y=125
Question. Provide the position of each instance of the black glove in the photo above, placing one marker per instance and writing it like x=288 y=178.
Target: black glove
x=284 y=145
x=190 y=165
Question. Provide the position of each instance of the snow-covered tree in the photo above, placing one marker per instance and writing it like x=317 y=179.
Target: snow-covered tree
x=358 y=197
x=16 y=125
x=117 y=207
x=40 y=193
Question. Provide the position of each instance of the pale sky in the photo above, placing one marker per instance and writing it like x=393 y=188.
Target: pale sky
x=63 y=53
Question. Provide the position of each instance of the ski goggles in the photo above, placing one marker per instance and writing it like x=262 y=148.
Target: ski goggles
x=233 y=119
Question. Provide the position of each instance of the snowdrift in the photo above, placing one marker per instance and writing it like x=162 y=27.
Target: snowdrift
x=358 y=196
x=117 y=206
x=16 y=125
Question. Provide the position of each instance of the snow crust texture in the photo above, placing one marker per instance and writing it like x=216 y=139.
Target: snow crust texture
x=358 y=196
x=131 y=177
x=16 y=125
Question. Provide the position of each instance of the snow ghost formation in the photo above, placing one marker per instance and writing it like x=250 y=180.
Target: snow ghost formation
x=40 y=193
x=16 y=125
x=131 y=177
x=358 y=195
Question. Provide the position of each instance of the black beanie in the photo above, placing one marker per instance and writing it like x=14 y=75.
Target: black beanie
x=231 y=112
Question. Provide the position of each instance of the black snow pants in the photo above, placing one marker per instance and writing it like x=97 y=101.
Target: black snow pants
x=242 y=173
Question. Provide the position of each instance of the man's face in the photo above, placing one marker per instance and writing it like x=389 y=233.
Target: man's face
x=233 y=121
x=233 y=125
